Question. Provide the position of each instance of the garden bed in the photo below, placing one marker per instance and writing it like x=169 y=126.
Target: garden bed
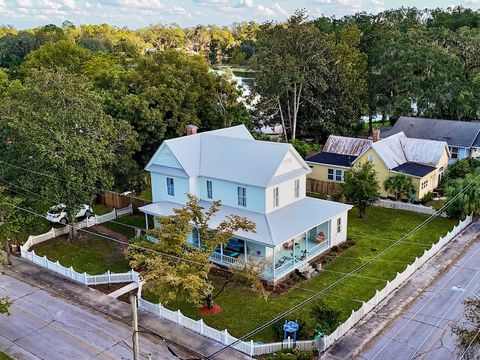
x=242 y=311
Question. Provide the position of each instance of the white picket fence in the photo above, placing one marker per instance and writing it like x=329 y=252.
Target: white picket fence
x=88 y=222
x=248 y=347
x=379 y=296
x=82 y=278
x=254 y=349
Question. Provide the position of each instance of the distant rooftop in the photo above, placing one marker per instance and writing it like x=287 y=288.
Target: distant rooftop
x=455 y=133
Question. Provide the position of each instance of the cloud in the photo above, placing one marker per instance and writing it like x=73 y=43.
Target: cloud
x=246 y=3
x=213 y=3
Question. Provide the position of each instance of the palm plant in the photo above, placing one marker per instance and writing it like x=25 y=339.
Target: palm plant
x=401 y=185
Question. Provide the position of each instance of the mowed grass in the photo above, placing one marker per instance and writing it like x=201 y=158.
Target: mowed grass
x=88 y=253
x=125 y=225
x=242 y=311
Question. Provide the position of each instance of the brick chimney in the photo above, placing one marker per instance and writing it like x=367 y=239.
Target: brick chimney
x=191 y=129
x=376 y=135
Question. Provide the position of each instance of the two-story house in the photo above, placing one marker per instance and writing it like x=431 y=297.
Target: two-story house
x=262 y=181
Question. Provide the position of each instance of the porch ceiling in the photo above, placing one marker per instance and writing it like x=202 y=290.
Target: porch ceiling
x=272 y=229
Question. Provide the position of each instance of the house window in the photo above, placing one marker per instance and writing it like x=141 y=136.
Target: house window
x=170 y=187
x=275 y=197
x=209 y=189
x=339 y=225
x=454 y=152
x=242 y=196
x=424 y=184
x=339 y=175
x=330 y=174
x=297 y=188
x=195 y=237
x=371 y=158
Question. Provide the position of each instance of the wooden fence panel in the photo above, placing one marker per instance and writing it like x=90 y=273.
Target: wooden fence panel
x=115 y=200
x=323 y=187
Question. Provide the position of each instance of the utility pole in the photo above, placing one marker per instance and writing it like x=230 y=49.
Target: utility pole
x=136 y=351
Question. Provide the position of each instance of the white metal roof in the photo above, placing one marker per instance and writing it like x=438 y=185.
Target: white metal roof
x=398 y=149
x=230 y=154
x=346 y=145
x=272 y=229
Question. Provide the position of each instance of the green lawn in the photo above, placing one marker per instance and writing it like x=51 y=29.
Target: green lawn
x=242 y=311
x=123 y=225
x=146 y=194
x=101 y=209
x=89 y=253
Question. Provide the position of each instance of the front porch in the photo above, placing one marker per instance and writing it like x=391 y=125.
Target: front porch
x=280 y=260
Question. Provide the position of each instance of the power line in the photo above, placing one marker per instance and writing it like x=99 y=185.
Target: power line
x=331 y=286
x=62 y=180
x=421 y=308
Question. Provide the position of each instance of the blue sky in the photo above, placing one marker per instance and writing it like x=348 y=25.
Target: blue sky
x=140 y=13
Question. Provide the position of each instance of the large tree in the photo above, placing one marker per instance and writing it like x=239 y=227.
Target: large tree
x=174 y=269
x=361 y=187
x=466 y=194
x=58 y=132
x=298 y=78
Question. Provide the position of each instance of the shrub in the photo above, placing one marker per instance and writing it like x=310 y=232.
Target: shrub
x=306 y=330
x=325 y=316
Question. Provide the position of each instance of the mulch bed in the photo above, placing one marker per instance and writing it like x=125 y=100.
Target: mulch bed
x=204 y=310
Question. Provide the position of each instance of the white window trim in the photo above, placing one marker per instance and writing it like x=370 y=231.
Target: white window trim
x=209 y=190
x=242 y=203
x=339 y=225
x=296 y=186
x=276 y=197
x=170 y=187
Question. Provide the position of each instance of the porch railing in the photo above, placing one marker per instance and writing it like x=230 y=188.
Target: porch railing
x=313 y=251
x=225 y=259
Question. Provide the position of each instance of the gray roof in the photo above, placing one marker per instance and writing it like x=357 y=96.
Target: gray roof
x=231 y=154
x=346 y=145
x=272 y=229
x=399 y=149
x=455 y=133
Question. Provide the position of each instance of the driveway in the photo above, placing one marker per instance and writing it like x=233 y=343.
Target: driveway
x=424 y=330
x=43 y=326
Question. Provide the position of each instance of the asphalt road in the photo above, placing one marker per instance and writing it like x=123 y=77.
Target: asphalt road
x=424 y=330
x=43 y=326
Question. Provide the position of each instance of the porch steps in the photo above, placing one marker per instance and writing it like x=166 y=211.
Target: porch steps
x=307 y=270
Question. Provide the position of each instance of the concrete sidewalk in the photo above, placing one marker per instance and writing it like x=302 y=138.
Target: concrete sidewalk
x=76 y=293
x=349 y=346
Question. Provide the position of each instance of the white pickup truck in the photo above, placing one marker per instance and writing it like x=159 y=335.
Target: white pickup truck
x=58 y=213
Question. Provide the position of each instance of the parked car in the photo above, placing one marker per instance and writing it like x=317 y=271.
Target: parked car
x=58 y=213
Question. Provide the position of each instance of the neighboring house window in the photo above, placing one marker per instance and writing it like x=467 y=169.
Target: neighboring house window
x=297 y=188
x=454 y=152
x=339 y=175
x=424 y=184
x=170 y=187
x=330 y=174
x=275 y=197
x=242 y=196
x=371 y=158
x=339 y=225
x=209 y=189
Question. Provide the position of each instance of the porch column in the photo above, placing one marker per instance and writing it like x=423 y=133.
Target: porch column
x=306 y=244
x=274 y=262
x=294 y=242
x=146 y=221
x=245 y=250
x=221 y=252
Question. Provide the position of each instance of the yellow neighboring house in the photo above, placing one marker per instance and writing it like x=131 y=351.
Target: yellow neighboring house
x=423 y=160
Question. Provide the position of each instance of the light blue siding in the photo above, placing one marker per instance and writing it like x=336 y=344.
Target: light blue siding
x=462 y=154
x=159 y=188
x=226 y=191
